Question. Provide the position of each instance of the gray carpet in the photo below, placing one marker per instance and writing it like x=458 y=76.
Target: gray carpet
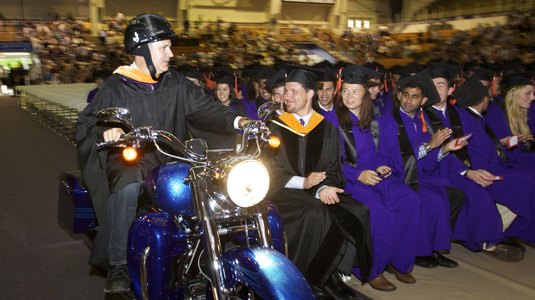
x=38 y=259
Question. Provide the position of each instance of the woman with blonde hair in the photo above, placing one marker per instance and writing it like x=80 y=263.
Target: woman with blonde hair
x=511 y=126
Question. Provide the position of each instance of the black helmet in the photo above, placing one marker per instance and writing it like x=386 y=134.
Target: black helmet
x=147 y=28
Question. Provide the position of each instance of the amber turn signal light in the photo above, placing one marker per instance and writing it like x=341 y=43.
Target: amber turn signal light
x=274 y=142
x=129 y=154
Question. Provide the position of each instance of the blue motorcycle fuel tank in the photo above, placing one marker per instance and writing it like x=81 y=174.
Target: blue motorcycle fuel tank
x=168 y=189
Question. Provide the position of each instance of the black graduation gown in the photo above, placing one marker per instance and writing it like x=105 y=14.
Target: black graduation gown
x=218 y=140
x=318 y=234
x=173 y=104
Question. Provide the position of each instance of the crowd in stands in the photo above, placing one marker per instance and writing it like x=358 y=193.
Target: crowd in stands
x=69 y=54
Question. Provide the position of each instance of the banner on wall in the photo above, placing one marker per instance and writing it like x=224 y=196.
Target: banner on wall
x=311 y=1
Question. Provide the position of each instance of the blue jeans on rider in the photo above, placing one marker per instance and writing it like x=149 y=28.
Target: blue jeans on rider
x=122 y=207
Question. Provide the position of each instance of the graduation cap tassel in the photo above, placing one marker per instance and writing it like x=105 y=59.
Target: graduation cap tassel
x=209 y=83
x=236 y=84
x=338 y=83
x=453 y=101
x=494 y=94
x=424 y=126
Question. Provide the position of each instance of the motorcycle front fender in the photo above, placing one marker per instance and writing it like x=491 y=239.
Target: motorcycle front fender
x=268 y=272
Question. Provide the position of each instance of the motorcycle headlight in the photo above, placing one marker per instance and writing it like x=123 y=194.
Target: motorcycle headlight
x=247 y=183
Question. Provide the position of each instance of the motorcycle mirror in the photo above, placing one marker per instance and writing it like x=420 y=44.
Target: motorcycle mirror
x=197 y=146
x=267 y=108
x=116 y=115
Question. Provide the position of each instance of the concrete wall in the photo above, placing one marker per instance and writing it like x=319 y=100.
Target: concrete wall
x=377 y=12
x=246 y=11
x=305 y=13
x=461 y=24
x=132 y=8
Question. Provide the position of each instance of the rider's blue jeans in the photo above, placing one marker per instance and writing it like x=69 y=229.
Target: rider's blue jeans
x=122 y=207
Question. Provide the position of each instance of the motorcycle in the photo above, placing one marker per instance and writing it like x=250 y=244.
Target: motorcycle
x=208 y=233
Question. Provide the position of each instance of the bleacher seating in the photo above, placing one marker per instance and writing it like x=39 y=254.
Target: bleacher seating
x=57 y=106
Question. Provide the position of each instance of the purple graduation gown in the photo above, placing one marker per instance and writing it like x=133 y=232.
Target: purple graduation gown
x=383 y=103
x=435 y=230
x=250 y=106
x=479 y=220
x=518 y=157
x=531 y=118
x=394 y=207
x=516 y=190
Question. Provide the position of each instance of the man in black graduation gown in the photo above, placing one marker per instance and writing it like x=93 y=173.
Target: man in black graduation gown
x=326 y=228
x=157 y=97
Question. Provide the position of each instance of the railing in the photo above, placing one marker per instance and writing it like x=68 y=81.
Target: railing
x=453 y=9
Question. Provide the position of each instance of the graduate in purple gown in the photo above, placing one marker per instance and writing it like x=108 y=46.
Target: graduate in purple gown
x=513 y=129
x=479 y=224
x=325 y=93
x=259 y=75
x=394 y=207
x=414 y=157
x=482 y=164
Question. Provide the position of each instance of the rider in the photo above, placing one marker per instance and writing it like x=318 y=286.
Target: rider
x=157 y=97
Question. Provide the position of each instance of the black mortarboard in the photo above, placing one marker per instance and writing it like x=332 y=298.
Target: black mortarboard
x=354 y=76
x=329 y=74
x=225 y=69
x=484 y=74
x=416 y=66
x=225 y=77
x=446 y=71
x=407 y=71
x=341 y=64
x=375 y=66
x=512 y=69
x=275 y=78
x=281 y=64
x=523 y=78
x=471 y=65
x=425 y=80
x=370 y=73
x=105 y=73
x=322 y=64
x=470 y=93
x=304 y=75
x=261 y=72
x=191 y=72
x=530 y=66
x=397 y=69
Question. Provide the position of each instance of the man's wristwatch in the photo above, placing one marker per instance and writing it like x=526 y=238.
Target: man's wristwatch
x=427 y=147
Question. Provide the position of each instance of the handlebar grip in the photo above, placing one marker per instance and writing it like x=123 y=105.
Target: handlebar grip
x=109 y=144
